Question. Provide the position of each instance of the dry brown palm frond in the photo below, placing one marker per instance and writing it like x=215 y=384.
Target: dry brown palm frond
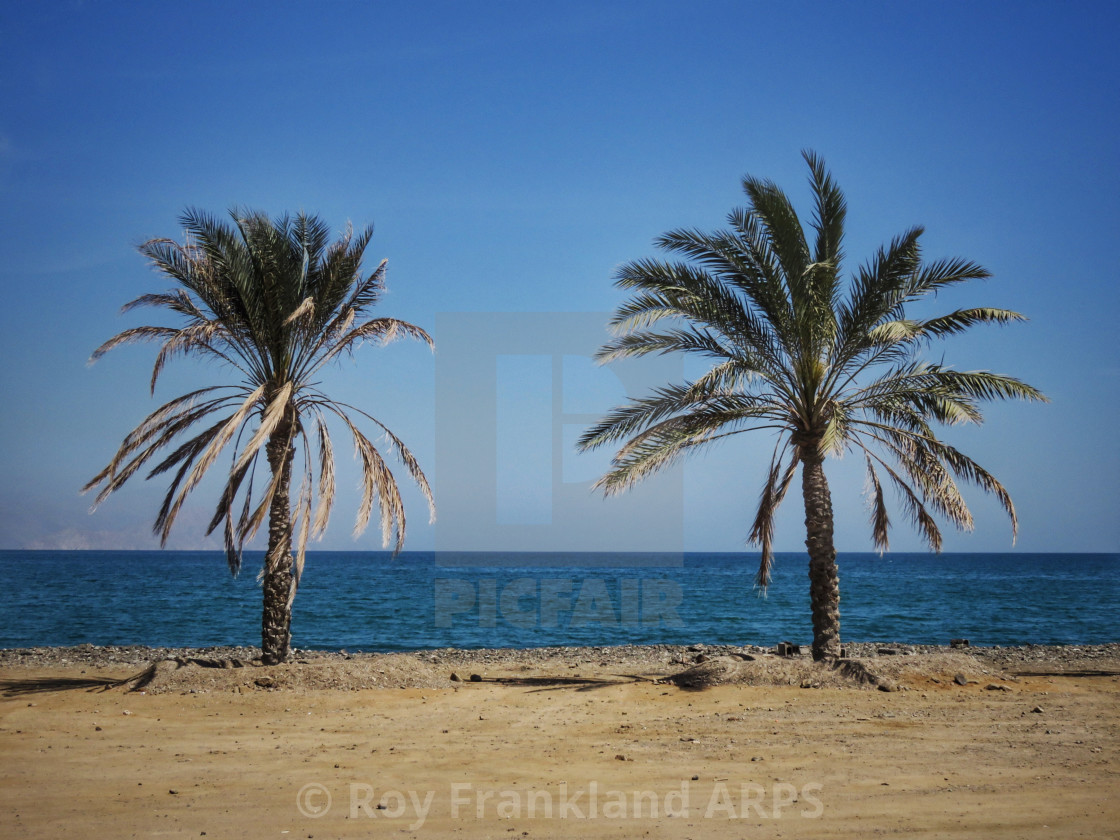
x=302 y=516
x=209 y=455
x=926 y=471
x=381 y=330
x=132 y=335
x=197 y=336
x=122 y=473
x=232 y=425
x=406 y=457
x=244 y=519
x=921 y=518
x=379 y=486
x=880 y=521
x=413 y=467
x=326 y=477
x=773 y=493
x=277 y=408
x=154 y=433
x=967 y=469
x=224 y=509
x=304 y=310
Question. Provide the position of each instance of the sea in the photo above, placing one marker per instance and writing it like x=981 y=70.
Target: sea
x=374 y=601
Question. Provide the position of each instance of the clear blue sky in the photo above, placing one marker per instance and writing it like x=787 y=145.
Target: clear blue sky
x=511 y=156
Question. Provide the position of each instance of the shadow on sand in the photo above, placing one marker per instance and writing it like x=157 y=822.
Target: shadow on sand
x=43 y=685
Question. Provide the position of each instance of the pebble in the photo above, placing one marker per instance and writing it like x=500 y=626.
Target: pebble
x=99 y=655
x=416 y=670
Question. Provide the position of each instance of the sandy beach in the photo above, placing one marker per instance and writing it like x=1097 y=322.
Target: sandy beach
x=1016 y=743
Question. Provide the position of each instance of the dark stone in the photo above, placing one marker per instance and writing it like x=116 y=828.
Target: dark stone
x=960 y=679
x=885 y=651
x=476 y=678
x=958 y=643
x=455 y=677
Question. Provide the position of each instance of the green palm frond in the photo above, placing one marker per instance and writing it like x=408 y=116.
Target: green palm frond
x=962 y=320
x=757 y=274
x=687 y=340
x=829 y=213
x=662 y=444
x=645 y=413
x=785 y=238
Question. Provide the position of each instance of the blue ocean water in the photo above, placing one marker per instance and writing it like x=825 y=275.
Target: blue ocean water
x=373 y=601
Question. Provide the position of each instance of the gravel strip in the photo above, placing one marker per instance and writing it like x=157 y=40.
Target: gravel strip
x=1033 y=657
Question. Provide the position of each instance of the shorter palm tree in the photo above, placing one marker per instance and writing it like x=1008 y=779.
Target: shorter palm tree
x=827 y=365
x=275 y=302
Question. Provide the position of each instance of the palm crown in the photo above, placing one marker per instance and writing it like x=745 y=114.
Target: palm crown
x=829 y=365
x=276 y=301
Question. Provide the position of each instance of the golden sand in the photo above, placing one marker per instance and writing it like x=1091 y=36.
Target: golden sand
x=638 y=759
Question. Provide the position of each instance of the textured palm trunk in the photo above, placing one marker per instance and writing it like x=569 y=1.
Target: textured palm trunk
x=824 y=585
x=276 y=621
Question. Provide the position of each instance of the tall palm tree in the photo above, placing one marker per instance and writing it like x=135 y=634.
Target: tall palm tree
x=273 y=301
x=827 y=365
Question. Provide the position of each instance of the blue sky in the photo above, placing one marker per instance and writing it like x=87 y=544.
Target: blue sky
x=511 y=156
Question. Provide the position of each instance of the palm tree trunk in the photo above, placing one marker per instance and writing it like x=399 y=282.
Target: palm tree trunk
x=824 y=586
x=276 y=620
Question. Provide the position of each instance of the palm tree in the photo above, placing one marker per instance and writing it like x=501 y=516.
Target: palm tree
x=275 y=302
x=828 y=366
